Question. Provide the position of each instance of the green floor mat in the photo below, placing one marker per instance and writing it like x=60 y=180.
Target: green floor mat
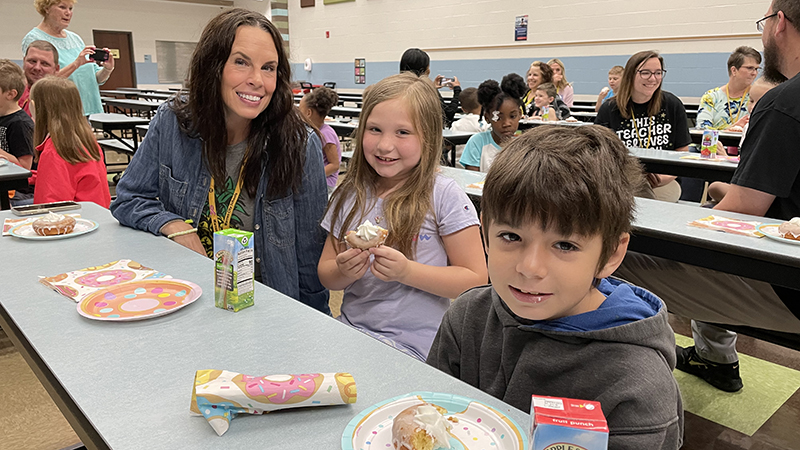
x=766 y=387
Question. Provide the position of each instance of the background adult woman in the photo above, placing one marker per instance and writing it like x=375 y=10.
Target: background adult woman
x=645 y=116
x=73 y=53
x=537 y=74
x=417 y=61
x=235 y=153
x=560 y=80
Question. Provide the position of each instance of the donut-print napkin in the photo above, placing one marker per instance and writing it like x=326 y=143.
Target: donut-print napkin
x=219 y=395
x=727 y=225
x=9 y=223
x=78 y=284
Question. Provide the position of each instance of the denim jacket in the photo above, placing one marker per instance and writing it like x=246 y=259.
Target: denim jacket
x=167 y=180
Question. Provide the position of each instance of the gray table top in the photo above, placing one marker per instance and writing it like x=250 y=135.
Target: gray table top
x=151 y=105
x=111 y=121
x=133 y=380
x=9 y=171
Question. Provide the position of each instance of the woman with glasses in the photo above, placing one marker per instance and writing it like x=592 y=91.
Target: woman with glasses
x=725 y=107
x=645 y=116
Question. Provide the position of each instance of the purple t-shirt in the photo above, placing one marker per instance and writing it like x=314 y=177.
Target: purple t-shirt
x=329 y=136
x=408 y=316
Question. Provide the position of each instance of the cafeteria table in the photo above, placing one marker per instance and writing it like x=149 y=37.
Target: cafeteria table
x=728 y=138
x=142 y=106
x=12 y=177
x=670 y=162
x=127 y=385
x=110 y=124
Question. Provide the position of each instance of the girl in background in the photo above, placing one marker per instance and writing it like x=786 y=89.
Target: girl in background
x=71 y=166
x=544 y=102
x=501 y=107
x=399 y=291
x=563 y=87
x=314 y=107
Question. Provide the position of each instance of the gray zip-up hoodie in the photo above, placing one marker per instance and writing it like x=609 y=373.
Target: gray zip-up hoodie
x=627 y=368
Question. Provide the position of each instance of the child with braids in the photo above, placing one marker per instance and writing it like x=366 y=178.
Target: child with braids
x=501 y=107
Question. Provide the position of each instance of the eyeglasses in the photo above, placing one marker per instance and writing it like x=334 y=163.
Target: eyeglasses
x=755 y=69
x=760 y=23
x=646 y=74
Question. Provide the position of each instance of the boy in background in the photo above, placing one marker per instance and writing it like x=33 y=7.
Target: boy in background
x=614 y=75
x=556 y=213
x=16 y=127
x=471 y=120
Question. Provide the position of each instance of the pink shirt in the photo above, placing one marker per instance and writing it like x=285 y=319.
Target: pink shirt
x=58 y=180
x=24 y=102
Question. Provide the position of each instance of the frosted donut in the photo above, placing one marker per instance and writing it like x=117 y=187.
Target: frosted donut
x=421 y=427
x=357 y=242
x=106 y=278
x=280 y=389
x=53 y=224
x=790 y=229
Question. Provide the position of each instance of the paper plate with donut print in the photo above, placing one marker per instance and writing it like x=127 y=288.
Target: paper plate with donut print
x=82 y=226
x=138 y=300
x=478 y=427
x=770 y=230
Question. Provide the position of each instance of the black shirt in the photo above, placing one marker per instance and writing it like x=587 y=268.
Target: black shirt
x=667 y=130
x=16 y=137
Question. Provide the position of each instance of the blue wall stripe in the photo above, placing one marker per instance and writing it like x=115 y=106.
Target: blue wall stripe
x=280 y=12
x=688 y=74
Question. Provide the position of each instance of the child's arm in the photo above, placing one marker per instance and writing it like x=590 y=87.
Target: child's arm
x=600 y=97
x=23 y=161
x=333 y=159
x=466 y=269
x=339 y=268
x=472 y=168
x=445 y=352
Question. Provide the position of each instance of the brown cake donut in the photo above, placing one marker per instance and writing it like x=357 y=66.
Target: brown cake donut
x=53 y=224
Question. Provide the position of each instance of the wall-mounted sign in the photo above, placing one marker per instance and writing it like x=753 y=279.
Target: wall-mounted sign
x=361 y=71
x=114 y=52
x=521 y=28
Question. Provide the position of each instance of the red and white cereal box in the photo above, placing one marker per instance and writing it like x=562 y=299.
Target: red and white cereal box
x=567 y=424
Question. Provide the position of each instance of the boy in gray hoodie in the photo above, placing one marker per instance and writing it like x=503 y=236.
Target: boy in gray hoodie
x=556 y=212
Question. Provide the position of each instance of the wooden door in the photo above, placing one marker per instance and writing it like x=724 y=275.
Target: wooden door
x=120 y=43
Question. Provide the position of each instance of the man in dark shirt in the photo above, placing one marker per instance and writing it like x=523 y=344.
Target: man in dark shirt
x=766 y=183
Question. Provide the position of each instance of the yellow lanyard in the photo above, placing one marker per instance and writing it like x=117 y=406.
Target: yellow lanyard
x=741 y=103
x=636 y=129
x=212 y=202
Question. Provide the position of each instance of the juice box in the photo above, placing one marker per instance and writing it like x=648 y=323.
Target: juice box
x=233 y=271
x=708 y=146
x=567 y=424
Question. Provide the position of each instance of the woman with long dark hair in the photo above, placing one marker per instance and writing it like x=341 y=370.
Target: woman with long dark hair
x=645 y=116
x=233 y=152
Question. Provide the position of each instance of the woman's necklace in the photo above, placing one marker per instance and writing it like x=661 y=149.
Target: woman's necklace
x=741 y=104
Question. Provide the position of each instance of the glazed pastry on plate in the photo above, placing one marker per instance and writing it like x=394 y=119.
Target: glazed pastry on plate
x=790 y=229
x=53 y=224
x=421 y=427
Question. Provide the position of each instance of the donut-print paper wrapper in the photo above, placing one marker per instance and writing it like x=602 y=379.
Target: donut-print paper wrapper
x=79 y=284
x=734 y=226
x=219 y=395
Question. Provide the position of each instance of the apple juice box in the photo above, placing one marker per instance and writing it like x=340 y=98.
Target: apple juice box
x=567 y=424
x=233 y=269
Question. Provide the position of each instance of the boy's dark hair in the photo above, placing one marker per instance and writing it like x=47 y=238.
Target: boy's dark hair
x=11 y=77
x=321 y=100
x=548 y=88
x=469 y=99
x=491 y=95
x=570 y=180
x=737 y=57
x=415 y=60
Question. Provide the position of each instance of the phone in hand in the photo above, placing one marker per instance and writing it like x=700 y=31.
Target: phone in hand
x=42 y=208
x=446 y=80
x=99 y=55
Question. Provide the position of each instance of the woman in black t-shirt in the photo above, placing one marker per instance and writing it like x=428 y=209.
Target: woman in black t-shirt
x=644 y=116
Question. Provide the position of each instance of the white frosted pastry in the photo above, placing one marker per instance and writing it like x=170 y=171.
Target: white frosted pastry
x=421 y=427
x=53 y=224
x=366 y=236
x=790 y=229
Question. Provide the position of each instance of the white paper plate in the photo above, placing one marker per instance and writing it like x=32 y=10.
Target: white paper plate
x=770 y=230
x=479 y=426
x=82 y=226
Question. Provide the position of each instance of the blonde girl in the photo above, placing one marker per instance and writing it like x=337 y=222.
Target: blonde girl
x=70 y=162
x=563 y=87
x=398 y=292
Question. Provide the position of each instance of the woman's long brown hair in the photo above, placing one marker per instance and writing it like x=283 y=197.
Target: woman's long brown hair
x=625 y=91
x=277 y=136
x=59 y=113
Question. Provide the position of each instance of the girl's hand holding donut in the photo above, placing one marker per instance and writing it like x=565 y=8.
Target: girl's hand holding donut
x=353 y=263
x=389 y=264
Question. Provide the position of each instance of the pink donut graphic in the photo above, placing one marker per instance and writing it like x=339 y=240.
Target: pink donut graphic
x=67 y=290
x=734 y=225
x=106 y=278
x=280 y=389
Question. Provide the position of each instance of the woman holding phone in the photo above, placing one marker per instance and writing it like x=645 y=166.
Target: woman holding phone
x=74 y=55
x=235 y=153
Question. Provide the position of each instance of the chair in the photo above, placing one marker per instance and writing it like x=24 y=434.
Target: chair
x=330 y=84
x=306 y=87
